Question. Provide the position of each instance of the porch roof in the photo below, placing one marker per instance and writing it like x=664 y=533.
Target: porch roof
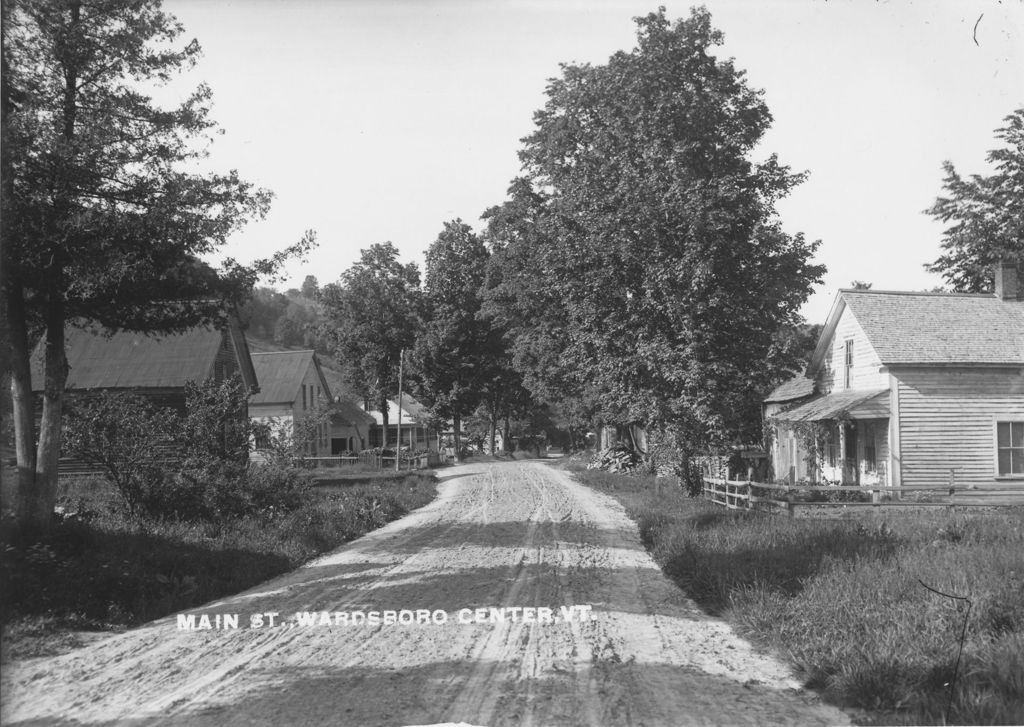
x=854 y=403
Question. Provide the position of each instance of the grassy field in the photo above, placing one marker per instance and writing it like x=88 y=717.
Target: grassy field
x=101 y=569
x=845 y=600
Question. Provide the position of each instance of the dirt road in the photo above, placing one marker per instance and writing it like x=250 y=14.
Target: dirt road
x=499 y=536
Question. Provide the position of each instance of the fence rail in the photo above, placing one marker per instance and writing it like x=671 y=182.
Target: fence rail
x=746 y=495
x=376 y=461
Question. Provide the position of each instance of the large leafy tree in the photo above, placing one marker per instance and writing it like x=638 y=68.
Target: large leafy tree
x=374 y=313
x=105 y=211
x=644 y=268
x=984 y=214
x=453 y=354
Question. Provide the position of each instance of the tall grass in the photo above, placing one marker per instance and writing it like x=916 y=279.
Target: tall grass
x=102 y=568
x=843 y=600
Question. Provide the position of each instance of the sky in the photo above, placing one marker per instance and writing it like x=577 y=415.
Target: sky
x=377 y=120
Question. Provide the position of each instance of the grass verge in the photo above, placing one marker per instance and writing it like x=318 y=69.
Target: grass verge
x=843 y=600
x=102 y=569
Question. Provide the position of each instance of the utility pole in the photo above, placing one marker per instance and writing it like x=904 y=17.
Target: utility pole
x=398 y=437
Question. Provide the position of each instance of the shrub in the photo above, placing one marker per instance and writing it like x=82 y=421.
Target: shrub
x=218 y=490
x=216 y=424
x=125 y=436
x=135 y=443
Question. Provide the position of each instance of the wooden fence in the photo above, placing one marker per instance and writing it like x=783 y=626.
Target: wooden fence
x=376 y=461
x=744 y=495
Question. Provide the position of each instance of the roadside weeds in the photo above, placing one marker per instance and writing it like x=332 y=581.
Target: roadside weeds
x=842 y=600
x=101 y=569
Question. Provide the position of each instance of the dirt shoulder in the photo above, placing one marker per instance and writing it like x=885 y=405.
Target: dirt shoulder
x=500 y=535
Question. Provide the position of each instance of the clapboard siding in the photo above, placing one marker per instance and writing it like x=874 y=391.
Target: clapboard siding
x=947 y=422
x=866 y=372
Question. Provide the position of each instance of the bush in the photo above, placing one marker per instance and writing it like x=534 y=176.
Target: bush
x=218 y=490
x=216 y=425
x=134 y=444
x=124 y=435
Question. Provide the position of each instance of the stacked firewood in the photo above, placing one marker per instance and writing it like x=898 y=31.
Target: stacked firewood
x=617 y=459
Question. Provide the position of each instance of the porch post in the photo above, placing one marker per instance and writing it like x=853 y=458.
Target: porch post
x=842 y=453
x=895 y=473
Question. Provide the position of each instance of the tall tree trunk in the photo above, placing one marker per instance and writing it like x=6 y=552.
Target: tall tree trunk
x=21 y=399
x=55 y=366
x=48 y=451
x=492 y=408
x=505 y=434
x=457 y=424
x=383 y=405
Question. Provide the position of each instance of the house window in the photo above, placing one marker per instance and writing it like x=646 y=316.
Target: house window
x=303 y=397
x=1010 y=448
x=847 y=363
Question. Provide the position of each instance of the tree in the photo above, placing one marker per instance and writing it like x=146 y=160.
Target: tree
x=310 y=287
x=644 y=265
x=261 y=312
x=518 y=299
x=451 y=357
x=985 y=215
x=373 y=315
x=104 y=211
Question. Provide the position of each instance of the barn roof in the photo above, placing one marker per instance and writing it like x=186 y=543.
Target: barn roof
x=281 y=373
x=98 y=359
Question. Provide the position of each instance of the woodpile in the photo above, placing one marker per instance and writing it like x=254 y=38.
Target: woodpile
x=617 y=459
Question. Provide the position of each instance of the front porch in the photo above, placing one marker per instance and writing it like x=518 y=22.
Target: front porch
x=840 y=439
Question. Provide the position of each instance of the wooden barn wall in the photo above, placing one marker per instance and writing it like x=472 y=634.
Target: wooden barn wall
x=866 y=364
x=947 y=422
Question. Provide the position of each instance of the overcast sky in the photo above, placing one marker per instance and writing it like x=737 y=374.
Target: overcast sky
x=378 y=120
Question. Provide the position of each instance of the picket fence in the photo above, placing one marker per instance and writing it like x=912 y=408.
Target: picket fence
x=375 y=461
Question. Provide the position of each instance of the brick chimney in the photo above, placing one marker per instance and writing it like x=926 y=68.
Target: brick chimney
x=1007 y=287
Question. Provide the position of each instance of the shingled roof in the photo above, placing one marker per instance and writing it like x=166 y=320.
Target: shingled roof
x=347 y=413
x=839 y=403
x=931 y=328
x=796 y=388
x=412 y=412
x=281 y=373
x=126 y=360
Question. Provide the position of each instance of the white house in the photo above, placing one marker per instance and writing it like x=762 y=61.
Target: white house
x=292 y=387
x=908 y=388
